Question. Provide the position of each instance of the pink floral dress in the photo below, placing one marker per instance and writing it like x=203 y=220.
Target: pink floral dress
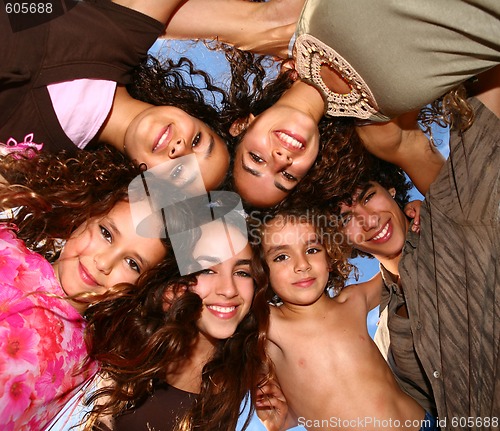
x=41 y=339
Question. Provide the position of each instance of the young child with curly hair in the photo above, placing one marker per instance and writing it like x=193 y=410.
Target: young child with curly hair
x=329 y=369
x=68 y=243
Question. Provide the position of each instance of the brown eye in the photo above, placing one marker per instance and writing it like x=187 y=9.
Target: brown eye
x=256 y=158
x=196 y=140
x=288 y=176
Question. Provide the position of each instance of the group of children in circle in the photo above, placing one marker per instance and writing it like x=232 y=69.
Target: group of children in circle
x=255 y=315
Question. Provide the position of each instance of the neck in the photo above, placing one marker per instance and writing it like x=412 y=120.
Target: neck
x=333 y=80
x=186 y=375
x=304 y=97
x=391 y=263
x=292 y=311
x=123 y=111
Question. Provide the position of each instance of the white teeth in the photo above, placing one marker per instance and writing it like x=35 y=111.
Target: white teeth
x=289 y=140
x=383 y=232
x=221 y=309
x=161 y=140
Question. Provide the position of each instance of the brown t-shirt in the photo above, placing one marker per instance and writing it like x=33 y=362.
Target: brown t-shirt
x=159 y=412
x=394 y=339
x=94 y=39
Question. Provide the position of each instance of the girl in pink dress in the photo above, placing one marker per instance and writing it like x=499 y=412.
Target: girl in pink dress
x=46 y=287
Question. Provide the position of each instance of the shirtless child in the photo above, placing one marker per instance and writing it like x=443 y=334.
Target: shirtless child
x=329 y=369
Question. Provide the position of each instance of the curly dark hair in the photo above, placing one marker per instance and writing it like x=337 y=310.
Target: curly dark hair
x=179 y=83
x=452 y=109
x=54 y=193
x=142 y=334
x=327 y=229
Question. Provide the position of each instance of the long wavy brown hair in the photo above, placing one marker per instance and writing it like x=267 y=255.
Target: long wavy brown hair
x=141 y=335
x=54 y=194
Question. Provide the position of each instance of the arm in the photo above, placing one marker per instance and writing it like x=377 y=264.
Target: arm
x=371 y=289
x=161 y=10
x=261 y=27
x=272 y=408
x=403 y=143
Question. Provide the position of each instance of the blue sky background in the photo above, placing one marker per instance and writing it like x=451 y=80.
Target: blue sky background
x=215 y=63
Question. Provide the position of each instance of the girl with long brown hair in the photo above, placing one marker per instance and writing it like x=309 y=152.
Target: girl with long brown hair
x=67 y=241
x=184 y=351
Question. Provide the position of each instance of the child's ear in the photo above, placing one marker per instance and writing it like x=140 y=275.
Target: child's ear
x=392 y=192
x=240 y=125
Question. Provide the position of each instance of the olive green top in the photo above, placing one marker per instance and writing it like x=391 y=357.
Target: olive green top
x=397 y=55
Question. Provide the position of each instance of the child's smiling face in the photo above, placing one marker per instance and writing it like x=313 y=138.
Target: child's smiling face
x=297 y=260
x=106 y=251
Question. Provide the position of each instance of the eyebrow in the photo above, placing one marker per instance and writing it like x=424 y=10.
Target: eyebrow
x=277 y=248
x=258 y=174
x=215 y=260
x=249 y=169
x=281 y=247
x=210 y=147
x=281 y=187
x=361 y=195
x=212 y=259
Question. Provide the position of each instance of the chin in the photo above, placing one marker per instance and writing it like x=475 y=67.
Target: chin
x=224 y=334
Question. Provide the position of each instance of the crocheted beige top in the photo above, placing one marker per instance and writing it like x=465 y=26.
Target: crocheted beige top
x=397 y=56
x=310 y=54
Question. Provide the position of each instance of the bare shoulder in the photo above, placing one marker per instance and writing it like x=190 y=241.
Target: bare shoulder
x=368 y=291
x=349 y=293
x=277 y=322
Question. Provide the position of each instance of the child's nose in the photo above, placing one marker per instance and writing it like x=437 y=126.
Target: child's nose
x=302 y=265
x=103 y=262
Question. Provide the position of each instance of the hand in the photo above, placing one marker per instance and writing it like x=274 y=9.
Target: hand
x=271 y=406
x=412 y=210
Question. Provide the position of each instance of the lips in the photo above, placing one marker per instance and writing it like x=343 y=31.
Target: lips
x=163 y=139
x=291 y=141
x=86 y=276
x=305 y=282
x=384 y=234
x=223 y=311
